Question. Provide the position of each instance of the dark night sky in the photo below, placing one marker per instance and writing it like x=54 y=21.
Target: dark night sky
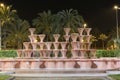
x=97 y=13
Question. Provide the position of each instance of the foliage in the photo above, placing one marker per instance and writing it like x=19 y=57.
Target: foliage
x=13 y=28
x=115 y=76
x=117 y=52
x=106 y=53
x=8 y=53
x=48 y=23
x=17 y=33
x=4 y=77
x=44 y=23
x=103 y=37
x=117 y=41
x=70 y=18
x=112 y=34
x=7 y=14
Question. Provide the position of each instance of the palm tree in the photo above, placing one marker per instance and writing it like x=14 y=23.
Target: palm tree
x=113 y=37
x=94 y=40
x=7 y=15
x=103 y=37
x=17 y=33
x=44 y=23
x=70 y=18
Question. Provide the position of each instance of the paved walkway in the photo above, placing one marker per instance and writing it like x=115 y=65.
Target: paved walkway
x=60 y=75
x=63 y=76
x=86 y=76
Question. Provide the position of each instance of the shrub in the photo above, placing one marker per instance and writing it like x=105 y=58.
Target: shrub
x=8 y=53
x=105 y=53
x=117 y=52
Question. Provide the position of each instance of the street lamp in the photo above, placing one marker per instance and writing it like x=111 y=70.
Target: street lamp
x=116 y=8
x=1 y=5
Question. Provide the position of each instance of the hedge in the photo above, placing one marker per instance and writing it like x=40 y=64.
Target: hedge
x=99 y=53
x=8 y=53
x=107 y=53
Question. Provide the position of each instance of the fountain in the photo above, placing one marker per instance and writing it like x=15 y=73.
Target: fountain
x=56 y=51
x=74 y=36
x=19 y=53
x=48 y=45
x=32 y=30
x=67 y=38
x=63 y=51
x=33 y=38
x=88 y=30
x=78 y=48
x=41 y=36
x=27 y=53
x=41 y=44
x=26 y=45
x=67 y=30
x=74 y=53
x=56 y=37
x=34 y=45
x=80 y=30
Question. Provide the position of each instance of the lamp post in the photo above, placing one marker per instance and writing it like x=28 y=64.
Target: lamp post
x=116 y=8
x=1 y=5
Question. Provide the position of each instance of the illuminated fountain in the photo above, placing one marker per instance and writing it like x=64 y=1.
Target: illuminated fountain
x=48 y=51
x=32 y=38
x=78 y=44
x=41 y=44
x=87 y=30
x=34 y=45
x=56 y=37
x=80 y=30
x=67 y=30
x=32 y=30
x=63 y=50
x=48 y=45
x=56 y=50
x=41 y=36
x=74 y=37
x=27 y=53
x=26 y=45
x=19 y=53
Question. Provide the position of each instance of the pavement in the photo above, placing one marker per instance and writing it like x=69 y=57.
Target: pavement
x=62 y=76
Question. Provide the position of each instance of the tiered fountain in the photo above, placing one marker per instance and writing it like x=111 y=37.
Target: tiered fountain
x=79 y=46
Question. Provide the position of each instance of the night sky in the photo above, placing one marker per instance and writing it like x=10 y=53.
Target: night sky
x=96 y=13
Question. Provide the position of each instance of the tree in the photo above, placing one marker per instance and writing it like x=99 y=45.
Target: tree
x=7 y=15
x=44 y=23
x=103 y=37
x=94 y=40
x=17 y=33
x=113 y=38
x=70 y=18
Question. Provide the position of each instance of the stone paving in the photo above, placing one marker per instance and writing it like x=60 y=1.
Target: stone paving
x=100 y=76
x=66 y=78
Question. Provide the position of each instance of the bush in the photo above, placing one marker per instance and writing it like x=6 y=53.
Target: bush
x=8 y=53
x=117 y=52
x=106 y=53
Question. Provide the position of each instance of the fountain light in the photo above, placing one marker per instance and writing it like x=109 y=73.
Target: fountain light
x=85 y=25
